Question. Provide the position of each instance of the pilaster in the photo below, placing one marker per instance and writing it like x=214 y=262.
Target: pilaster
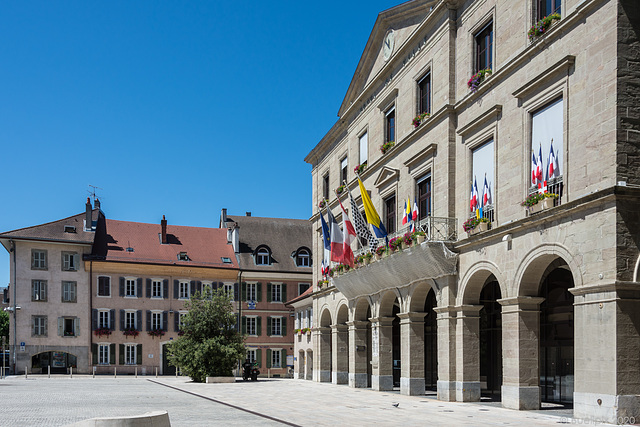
x=382 y=353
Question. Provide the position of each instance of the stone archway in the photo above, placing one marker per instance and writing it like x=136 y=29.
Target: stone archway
x=323 y=334
x=360 y=350
x=340 y=346
x=386 y=343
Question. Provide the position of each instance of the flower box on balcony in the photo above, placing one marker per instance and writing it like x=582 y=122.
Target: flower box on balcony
x=419 y=237
x=475 y=80
x=540 y=28
x=417 y=121
x=475 y=225
x=387 y=146
x=540 y=206
x=537 y=202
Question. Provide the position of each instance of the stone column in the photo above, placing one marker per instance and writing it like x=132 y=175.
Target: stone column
x=324 y=355
x=358 y=354
x=446 y=353
x=520 y=352
x=340 y=354
x=468 y=353
x=382 y=353
x=412 y=353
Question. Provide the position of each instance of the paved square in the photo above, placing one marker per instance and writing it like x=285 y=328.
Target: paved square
x=59 y=400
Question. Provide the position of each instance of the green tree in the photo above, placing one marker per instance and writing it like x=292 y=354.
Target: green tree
x=4 y=325
x=210 y=345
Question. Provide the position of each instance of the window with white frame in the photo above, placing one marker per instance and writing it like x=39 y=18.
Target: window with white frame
x=207 y=288
x=69 y=261
x=276 y=292
x=38 y=290
x=251 y=355
x=344 y=170
x=68 y=326
x=181 y=319
x=252 y=323
x=252 y=293
x=302 y=258
x=103 y=354
x=104 y=319
x=276 y=326
x=484 y=48
x=276 y=361
x=390 y=125
x=130 y=320
x=325 y=186
x=39 y=326
x=104 y=286
x=130 y=286
x=38 y=259
x=228 y=289
x=302 y=288
x=156 y=320
x=69 y=291
x=482 y=181
x=364 y=148
x=183 y=292
x=156 y=289
x=129 y=354
x=263 y=257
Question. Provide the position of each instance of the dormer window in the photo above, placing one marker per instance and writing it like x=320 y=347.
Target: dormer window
x=303 y=259
x=263 y=257
x=182 y=256
x=226 y=260
x=69 y=229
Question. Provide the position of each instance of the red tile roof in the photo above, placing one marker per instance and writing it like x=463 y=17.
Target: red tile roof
x=302 y=296
x=205 y=247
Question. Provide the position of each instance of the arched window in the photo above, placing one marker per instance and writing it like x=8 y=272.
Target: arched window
x=303 y=259
x=263 y=257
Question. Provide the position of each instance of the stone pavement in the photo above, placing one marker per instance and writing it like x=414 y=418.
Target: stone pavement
x=60 y=400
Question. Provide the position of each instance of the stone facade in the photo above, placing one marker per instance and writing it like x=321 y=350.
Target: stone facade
x=543 y=306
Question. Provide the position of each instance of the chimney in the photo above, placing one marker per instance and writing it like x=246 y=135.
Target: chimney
x=88 y=223
x=248 y=213
x=163 y=224
x=96 y=203
x=223 y=218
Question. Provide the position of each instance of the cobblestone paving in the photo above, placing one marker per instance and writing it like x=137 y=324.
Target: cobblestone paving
x=39 y=401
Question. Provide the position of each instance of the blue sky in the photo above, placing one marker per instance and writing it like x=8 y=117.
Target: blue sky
x=174 y=108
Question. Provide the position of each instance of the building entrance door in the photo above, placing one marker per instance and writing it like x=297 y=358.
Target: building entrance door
x=430 y=343
x=491 y=341
x=167 y=367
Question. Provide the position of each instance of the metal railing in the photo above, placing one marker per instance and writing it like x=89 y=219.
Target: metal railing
x=437 y=229
x=556 y=186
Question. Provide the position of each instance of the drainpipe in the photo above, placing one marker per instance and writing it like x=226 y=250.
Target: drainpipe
x=90 y=325
x=15 y=310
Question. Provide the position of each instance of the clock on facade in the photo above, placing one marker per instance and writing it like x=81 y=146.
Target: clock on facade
x=387 y=46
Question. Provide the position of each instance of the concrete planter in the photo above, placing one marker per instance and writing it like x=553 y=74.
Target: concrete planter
x=483 y=226
x=420 y=239
x=540 y=206
x=220 y=380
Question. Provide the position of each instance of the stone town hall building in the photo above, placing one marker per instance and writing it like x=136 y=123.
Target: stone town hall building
x=541 y=307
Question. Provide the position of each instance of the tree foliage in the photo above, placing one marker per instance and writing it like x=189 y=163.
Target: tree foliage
x=4 y=325
x=210 y=345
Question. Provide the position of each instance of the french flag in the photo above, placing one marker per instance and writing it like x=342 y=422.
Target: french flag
x=534 y=165
x=471 y=204
x=485 y=192
x=337 y=238
x=539 y=166
x=476 y=200
x=349 y=237
x=552 y=162
x=414 y=214
x=404 y=214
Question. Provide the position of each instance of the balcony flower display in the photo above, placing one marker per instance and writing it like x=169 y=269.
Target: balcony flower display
x=156 y=332
x=102 y=332
x=304 y=331
x=541 y=27
x=395 y=243
x=340 y=189
x=387 y=146
x=407 y=240
x=477 y=78
x=419 y=236
x=417 y=120
x=322 y=204
x=367 y=257
x=360 y=168
x=537 y=202
x=130 y=332
x=474 y=224
x=380 y=251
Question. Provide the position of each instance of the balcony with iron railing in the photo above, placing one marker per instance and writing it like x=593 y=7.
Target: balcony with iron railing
x=430 y=259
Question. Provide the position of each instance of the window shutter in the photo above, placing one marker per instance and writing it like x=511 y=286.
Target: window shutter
x=259 y=291
x=139 y=287
x=112 y=319
x=66 y=261
x=268 y=292
x=139 y=320
x=139 y=354
x=199 y=286
x=165 y=320
x=121 y=354
x=176 y=288
x=122 y=315
x=283 y=358
x=235 y=291
x=268 y=326
x=112 y=354
x=148 y=320
x=176 y=321
x=60 y=326
x=259 y=357
x=148 y=288
x=94 y=354
x=76 y=261
x=283 y=326
x=192 y=287
x=122 y=286
x=94 y=319
x=283 y=292
x=259 y=326
x=165 y=289
x=268 y=358
x=244 y=325
x=46 y=325
x=244 y=291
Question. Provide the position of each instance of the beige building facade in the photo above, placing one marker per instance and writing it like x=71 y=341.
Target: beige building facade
x=541 y=307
